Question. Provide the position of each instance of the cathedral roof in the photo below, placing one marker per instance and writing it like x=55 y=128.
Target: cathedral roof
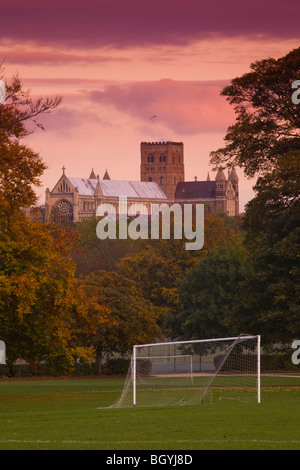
x=196 y=190
x=117 y=188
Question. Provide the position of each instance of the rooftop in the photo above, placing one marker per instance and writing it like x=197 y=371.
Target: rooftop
x=118 y=188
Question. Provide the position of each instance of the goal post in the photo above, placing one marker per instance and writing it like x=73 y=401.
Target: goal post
x=187 y=372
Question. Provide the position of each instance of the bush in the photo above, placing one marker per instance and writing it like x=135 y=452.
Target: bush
x=117 y=366
x=234 y=362
x=275 y=362
x=268 y=362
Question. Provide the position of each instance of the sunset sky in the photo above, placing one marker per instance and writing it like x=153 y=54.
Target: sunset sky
x=116 y=63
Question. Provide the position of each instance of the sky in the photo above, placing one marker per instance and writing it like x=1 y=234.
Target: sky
x=117 y=63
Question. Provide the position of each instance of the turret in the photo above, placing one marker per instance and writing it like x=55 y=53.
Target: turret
x=233 y=177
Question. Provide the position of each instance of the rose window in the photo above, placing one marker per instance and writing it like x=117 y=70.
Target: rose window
x=65 y=209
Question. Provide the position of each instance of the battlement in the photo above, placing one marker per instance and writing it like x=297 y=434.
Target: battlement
x=168 y=142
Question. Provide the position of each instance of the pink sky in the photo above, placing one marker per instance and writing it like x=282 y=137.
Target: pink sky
x=118 y=62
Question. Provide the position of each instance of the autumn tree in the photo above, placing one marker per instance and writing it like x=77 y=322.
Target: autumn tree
x=20 y=167
x=95 y=254
x=42 y=308
x=132 y=318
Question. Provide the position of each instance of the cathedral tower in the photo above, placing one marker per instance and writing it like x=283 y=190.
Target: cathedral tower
x=233 y=177
x=163 y=163
x=221 y=183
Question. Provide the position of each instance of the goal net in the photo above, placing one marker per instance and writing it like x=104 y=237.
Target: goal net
x=189 y=372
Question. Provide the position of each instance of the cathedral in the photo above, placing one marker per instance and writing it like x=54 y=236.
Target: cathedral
x=162 y=181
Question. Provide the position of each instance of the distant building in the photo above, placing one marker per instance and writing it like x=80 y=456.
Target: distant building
x=78 y=198
x=162 y=181
x=219 y=195
x=163 y=162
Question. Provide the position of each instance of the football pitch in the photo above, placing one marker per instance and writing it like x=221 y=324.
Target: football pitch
x=63 y=415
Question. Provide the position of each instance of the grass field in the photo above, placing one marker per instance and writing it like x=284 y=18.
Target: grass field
x=63 y=415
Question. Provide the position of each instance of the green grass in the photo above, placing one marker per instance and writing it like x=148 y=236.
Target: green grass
x=63 y=414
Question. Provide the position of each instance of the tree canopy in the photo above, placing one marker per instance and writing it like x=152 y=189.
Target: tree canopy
x=41 y=304
x=265 y=142
x=132 y=318
x=267 y=120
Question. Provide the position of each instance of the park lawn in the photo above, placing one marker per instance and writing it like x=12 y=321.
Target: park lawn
x=65 y=415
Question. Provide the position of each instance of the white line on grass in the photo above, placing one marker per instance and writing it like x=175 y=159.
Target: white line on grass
x=198 y=441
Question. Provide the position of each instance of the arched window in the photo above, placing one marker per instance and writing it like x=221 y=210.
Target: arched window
x=63 y=210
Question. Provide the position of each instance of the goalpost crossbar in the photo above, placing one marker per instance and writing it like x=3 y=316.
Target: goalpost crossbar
x=193 y=341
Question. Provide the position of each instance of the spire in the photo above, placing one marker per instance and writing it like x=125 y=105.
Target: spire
x=220 y=176
x=106 y=176
x=98 y=190
x=233 y=175
x=208 y=177
x=92 y=175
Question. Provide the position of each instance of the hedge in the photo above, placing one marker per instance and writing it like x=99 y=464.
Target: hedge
x=269 y=363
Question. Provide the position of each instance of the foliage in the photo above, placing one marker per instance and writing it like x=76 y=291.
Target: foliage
x=20 y=167
x=162 y=263
x=41 y=305
x=210 y=295
x=132 y=319
x=268 y=122
x=265 y=141
x=95 y=254
x=272 y=233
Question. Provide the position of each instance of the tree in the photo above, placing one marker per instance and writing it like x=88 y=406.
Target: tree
x=95 y=254
x=268 y=122
x=132 y=318
x=19 y=110
x=20 y=167
x=265 y=141
x=210 y=296
x=272 y=237
x=158 y=267
x=42 y=307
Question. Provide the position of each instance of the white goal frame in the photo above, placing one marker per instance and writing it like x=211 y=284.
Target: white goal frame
x=234 y=339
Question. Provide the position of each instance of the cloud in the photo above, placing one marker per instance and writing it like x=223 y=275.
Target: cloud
x=127 y=23
x=48 y=57
x=186 y=107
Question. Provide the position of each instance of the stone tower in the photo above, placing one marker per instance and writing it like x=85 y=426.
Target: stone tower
x=233 y=177
x=221 y=190
x=163 y=163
